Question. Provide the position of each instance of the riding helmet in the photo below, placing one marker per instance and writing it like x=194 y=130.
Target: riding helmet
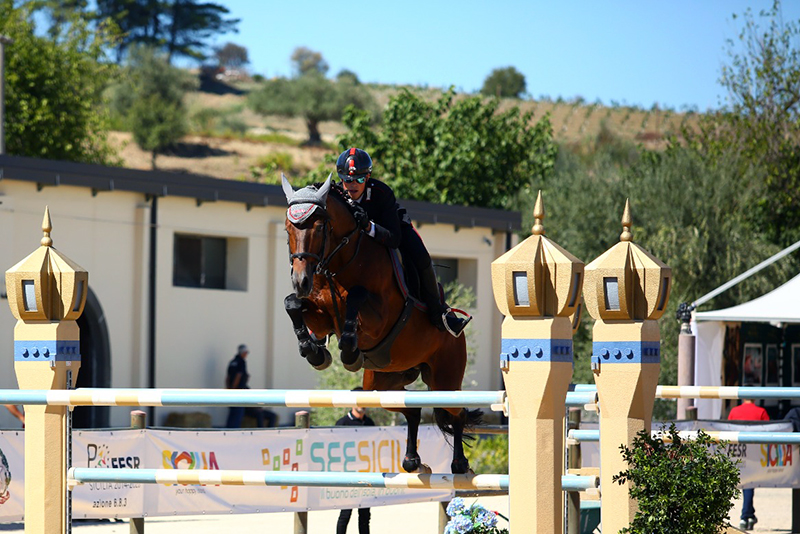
x=354 y=162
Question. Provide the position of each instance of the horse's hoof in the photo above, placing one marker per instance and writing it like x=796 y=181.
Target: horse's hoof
x=412 y=464
x=356 y=365
x=460 y=467
x=425 y=469
x=348 y=343
x=326 y=360
x=309 y=350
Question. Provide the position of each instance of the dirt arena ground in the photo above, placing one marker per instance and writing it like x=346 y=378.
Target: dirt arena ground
x=773 y=508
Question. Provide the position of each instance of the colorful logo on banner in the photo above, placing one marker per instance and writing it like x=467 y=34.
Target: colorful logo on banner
x=365 y=456
x=5 y=478
x=99 y=456
x=281 y=460
x=776 y=455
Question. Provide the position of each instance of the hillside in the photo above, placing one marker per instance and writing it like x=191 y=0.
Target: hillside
x=233 y=142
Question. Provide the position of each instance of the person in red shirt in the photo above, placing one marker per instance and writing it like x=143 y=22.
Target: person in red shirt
x=748 y=411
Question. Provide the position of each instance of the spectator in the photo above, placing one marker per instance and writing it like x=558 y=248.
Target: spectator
x=355 y=417
x=748 y=411
x=237 y=378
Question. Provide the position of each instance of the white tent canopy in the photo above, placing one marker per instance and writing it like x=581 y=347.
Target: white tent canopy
x=778 y=306
x=781 y=305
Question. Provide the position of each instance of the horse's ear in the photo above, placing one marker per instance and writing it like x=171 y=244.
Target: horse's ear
x=322 y=194
x=287 y=189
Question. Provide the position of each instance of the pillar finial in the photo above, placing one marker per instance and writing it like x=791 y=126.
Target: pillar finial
x=626 y=234
x=47 y=227
x=538 y=215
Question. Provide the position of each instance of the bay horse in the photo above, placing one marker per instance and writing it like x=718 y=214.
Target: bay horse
x=344 y=284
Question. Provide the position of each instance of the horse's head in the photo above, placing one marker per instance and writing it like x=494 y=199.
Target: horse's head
x=307 y=220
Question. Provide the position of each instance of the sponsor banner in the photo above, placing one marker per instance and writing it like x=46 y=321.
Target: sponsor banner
x=761 y=465
x=377 y=450
x=348 y=449
x=271 y=450
x=116 y=449
x=12 y=473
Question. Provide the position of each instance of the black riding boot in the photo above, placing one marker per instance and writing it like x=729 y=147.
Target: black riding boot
x=438 y=313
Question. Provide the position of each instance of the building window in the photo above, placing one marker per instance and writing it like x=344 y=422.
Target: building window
x=209 y=262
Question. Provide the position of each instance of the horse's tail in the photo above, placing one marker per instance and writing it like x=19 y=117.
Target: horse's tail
x=469 y=419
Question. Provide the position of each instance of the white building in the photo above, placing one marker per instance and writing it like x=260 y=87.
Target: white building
x=184 y=268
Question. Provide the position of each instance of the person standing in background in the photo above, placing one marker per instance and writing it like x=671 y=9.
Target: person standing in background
x=748 y=411
x=357 y=416
x=237 y=377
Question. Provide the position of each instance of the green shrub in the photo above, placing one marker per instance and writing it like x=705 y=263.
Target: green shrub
x=231 y=124
x=271 y=165
x=204 y=120
x=683 y=486
x=489 y=454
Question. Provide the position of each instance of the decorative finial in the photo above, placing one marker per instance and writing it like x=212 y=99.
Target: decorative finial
x=538 y=215
x=626 y=234
x=47 y=227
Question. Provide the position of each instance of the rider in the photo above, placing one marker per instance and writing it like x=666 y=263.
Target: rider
x=384 y=220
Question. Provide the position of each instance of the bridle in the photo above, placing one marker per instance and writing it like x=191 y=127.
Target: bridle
x=324 y=261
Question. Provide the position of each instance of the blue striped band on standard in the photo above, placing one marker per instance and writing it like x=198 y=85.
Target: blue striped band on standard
x=626 y=352
x=536 y=350
x=46 y=351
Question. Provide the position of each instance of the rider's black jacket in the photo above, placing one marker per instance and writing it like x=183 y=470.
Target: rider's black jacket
x=382 y=208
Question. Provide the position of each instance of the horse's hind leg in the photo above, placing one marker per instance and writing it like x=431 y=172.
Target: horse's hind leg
x=352 y=358
x=316 y=354
x=397 y=381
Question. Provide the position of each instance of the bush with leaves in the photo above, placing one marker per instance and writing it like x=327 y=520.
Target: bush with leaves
x=682 y=486
x=455 y=150
x=150 y=98
x=54 y=89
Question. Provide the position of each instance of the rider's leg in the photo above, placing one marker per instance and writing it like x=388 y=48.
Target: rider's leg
x=413 y=248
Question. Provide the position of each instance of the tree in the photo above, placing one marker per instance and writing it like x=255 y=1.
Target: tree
x=454 y=151
x=231 y=56
x=349 y=75
x=179 y=27
x=150 y=98
x=697 y=501
x=506 y=82
x=54 y=90
x=312 y=97
x=761 y=117
x=305 y=61
x=191 y=25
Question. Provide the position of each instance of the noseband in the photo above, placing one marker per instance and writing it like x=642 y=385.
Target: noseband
x=323 y=261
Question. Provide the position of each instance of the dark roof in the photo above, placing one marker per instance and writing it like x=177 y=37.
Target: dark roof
x=206 y=189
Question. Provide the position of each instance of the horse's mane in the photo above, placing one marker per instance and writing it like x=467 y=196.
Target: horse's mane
x=338 y=192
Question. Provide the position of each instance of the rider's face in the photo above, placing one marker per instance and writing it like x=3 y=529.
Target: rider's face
x=355 y=189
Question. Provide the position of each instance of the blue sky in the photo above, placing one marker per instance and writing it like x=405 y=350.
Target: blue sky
x=635 y=52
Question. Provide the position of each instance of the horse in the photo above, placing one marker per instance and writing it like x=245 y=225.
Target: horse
x=344 y=284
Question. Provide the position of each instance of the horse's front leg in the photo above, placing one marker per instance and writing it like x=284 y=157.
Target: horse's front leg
x=352 y=358
x=310 y=349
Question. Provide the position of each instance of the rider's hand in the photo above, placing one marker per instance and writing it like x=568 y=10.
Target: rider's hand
x=362 y=219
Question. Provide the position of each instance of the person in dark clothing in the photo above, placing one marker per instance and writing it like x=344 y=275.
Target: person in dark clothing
x=355 y=417
x=748 y=411
x=237 y=378
x=382 y=218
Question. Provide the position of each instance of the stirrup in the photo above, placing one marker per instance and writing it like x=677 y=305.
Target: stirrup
x=453 y=323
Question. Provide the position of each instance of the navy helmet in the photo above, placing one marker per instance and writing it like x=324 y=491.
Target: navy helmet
x=354 y=164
